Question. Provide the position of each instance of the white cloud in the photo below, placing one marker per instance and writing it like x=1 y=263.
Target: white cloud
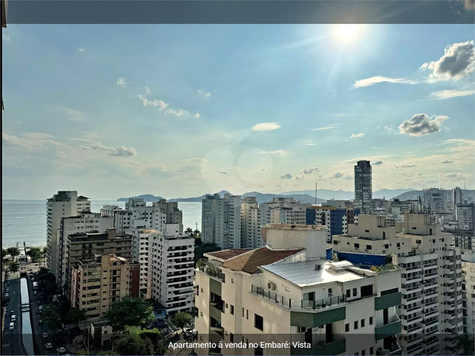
x=325 y=128
x=276 y=152
x=338 y=175
x=310 y=144
x=266 y=126
x=377 y=163
x=147 y=89
x=357 y=135
x=157 y=103
x=197 y=115
x=121 y=82
x=447 y=161
x=286 y=176
x=204 y=93
x=411 y=165
x=177 y=113
x=457 y=62
x=449 y=94
x=6 y=37
x=28 y=142
x=74 y=115
x=421 y=125
x=81 y=50
x=120 y=151
x=60 y=154
x=453 y=176
x=376 y=80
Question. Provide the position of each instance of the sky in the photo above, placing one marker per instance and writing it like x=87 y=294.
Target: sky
x=184 y=110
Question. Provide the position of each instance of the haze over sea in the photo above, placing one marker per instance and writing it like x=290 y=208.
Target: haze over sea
x=25 y=220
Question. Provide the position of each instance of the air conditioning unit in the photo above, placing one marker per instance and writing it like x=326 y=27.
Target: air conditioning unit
x=271 y=285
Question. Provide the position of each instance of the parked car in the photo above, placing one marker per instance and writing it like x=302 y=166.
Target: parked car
x=45 y=335
x=12 y=326
x=40 y=322
x=7 y=295
x=61 y=350
x=13 y=317
x=40 y=308
x=12 y=312
x=49 y=345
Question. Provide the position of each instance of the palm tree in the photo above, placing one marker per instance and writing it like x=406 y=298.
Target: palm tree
x=465 y=343
x=14 y=267
x=189 y=231
x=13 y=252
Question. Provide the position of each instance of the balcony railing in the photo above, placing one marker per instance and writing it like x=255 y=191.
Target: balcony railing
x=298 y=304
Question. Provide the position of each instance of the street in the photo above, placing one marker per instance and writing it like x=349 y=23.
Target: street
x=12 y=342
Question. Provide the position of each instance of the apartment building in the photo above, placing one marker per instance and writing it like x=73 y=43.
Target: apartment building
x=140 y=251
x=284 y=210
x=172 y=268
x=466 y=216
x=138 y=215
x=363 y=186
x=334 y=218
x=86 y=221
x=287 y=291
x=431 y=281
x=457 y=198
x=63 y=204
x=221 y=220
x=436 y=200
x=251 y=223
x=98 y=282
x=85 y=245
x=468 y=273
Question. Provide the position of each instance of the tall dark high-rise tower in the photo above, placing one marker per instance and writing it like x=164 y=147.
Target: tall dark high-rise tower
x=363 y=186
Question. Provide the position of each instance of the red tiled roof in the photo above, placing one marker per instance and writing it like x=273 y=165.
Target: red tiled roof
x=250 y=261
x=227 y=254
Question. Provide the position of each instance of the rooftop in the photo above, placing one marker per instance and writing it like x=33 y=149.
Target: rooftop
x=251 y=261
x=227 y=254
x=304 y=273
x=299 y=227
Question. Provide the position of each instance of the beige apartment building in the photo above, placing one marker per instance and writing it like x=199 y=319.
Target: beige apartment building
x=85 y=245
x=98 y=282
x=287 y=291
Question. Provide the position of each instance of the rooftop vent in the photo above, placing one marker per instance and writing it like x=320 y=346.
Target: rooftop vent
x=318 y=267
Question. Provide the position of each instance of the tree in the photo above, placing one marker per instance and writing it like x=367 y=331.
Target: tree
x=75 y=316
x=154 y=335
x=205 y=248
x=130 y=312
x=182 y=320
x=14 y=267
x=388 y=259
x=51 y=318
x=189 y=231
x=35 y=253
x=133 y=344
x=465 y=343
x=4 y=253
x=13 y=252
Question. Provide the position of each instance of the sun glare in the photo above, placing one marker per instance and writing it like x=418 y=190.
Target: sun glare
x=347 y=32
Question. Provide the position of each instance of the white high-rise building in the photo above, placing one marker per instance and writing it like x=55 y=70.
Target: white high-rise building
x=457 y=198
x=436 y=200
x=466 y=216
x=284 y=210
x=63 y=204
x=287 y=292
x=138 y=215
x=171 y=259
x=251 y=223
x=468 y=273
x=86 y=221
x=221 y=220
x=431 y=311
x=141 y=248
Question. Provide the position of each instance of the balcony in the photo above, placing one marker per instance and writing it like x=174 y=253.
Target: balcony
x=394 y=349
x=211 y=270
x=393 y=327
x=336 y=347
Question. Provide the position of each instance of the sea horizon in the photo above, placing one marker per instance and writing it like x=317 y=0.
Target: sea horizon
x=24 y=220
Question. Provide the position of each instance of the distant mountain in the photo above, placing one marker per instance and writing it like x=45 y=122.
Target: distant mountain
x=196 y=199
x=328 y=194
x=265 y=198
x=146 y=197
x=468 y=195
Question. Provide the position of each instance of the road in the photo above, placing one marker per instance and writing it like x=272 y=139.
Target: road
x=12 y=343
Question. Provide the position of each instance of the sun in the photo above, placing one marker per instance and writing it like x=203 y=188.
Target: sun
x=347 y=32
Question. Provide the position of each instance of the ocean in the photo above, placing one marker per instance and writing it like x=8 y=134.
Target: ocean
x=25 y=220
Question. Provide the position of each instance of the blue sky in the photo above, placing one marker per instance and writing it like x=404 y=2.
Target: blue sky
x=183 y=110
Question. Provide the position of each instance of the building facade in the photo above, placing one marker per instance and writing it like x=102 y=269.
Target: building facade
x=63 y=204
x=468 y=273
x=172 y=268
x=363 y=186
x=287 y=291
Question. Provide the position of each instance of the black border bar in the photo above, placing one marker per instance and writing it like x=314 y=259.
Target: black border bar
x=238 y=12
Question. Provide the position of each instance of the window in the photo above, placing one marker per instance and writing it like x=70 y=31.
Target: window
x=258 y=322
x=384 y=235
x=355 y=292
x=247 y=314
x=347 y=328
x=371 y=323
x=243 y=312
x=356 y=325
x=232 y=280
x=231 y=337
x=348 y=293
x=330 y=292
x=418 y=242
x=369 y=247
x=371 y=350
x=362 y=323
x=357 y=245
x=232 y=310
x=335 y=242
x=363 y=352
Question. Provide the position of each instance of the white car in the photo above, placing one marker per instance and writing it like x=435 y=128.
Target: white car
x=45 y=335
x=40 y=308
x=61 y=350
x=49 y=345
x=12 y=326
x=13 y=317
